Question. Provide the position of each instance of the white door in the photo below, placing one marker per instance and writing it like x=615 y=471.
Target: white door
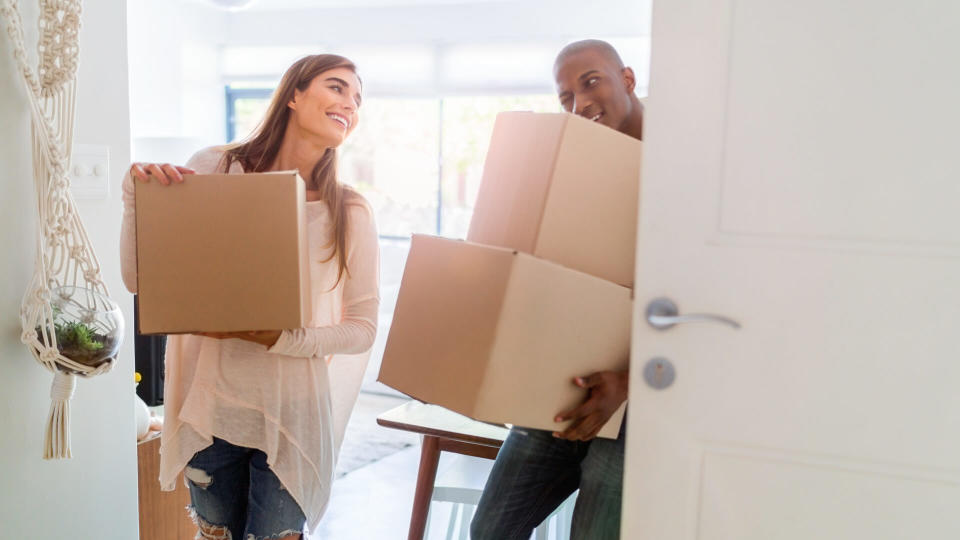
x=802 y=177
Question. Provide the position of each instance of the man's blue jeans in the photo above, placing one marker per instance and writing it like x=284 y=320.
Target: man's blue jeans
x=535 y=472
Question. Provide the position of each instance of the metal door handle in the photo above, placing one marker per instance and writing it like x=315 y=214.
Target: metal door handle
x=662 y=313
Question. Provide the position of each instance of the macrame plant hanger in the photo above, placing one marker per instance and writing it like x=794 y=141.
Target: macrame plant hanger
x=67 y=278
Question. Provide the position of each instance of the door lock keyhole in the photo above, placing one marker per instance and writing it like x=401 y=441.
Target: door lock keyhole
x=659 y=373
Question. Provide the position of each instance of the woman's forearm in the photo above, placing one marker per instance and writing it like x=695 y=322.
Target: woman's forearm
x=355 y=334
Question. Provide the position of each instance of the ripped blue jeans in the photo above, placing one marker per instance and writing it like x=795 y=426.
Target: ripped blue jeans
x=236 y=496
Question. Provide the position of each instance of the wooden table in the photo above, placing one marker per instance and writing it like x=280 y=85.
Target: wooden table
x=443 y=431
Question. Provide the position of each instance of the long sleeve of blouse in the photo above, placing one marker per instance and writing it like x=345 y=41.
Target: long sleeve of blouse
x=358 y=327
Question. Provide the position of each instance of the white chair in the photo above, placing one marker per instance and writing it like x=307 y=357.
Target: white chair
x=464 y=501
x=559 y=521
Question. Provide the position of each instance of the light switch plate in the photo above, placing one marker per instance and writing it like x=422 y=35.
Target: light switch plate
x=90 y=172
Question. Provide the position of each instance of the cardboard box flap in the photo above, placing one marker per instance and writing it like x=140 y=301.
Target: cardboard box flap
x=589 y=221
x=498 y=335
x=562 y=188
x=544 y=301
x=520 y=148
x=447 y=310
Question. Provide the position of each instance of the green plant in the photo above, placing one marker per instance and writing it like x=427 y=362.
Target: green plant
x=76 y=334
x=79 y=341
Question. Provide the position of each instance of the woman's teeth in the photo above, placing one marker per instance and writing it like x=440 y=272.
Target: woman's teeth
x=597 y=117
x=340 y=119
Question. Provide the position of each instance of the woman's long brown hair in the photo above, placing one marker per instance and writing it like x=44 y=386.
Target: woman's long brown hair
x=259 y=151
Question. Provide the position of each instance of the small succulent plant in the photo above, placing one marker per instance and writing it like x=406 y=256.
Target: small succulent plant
x=78 y=335
x=79 y=341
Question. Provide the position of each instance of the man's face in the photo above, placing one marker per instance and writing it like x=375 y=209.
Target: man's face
x=590 y=85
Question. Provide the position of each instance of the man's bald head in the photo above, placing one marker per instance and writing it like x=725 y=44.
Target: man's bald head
x=599 y=47
x=592 y=82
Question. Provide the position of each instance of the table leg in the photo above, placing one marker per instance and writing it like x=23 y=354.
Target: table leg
x=429 y=457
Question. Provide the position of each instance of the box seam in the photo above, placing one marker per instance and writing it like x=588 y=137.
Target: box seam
x=552 y=174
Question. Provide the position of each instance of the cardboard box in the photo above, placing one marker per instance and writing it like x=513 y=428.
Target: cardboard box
x=562 y=188
x=498 y=335
x=223 y=253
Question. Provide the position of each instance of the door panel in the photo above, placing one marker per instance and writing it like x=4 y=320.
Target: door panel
x=799 y=177
x=831 y=99
x=757 y=496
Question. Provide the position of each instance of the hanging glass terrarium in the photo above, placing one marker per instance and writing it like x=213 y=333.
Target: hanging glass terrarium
x=87 y=326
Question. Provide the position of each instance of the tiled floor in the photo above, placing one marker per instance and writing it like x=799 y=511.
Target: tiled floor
x=365 y=442
x=374 y=502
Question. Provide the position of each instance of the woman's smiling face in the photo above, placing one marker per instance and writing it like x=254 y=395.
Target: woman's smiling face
x=328 y=108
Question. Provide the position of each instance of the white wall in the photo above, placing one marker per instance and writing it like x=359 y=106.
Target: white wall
x=498 y=46
x=94 y=495
x=458 y=22
x=176 y=92
x=177 y=75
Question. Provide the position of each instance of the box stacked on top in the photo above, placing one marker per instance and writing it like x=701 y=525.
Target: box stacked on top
x=497 y=327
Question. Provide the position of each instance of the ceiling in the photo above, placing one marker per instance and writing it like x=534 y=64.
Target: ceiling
x=282 y=5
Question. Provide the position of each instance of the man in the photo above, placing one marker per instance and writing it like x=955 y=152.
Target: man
x=537 y=470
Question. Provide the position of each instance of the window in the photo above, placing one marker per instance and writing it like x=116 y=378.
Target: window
x=417 y=160
x=467 y=127
x=245 y=108
x=391 y=158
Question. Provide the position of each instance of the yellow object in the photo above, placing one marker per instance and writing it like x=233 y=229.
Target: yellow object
x=136 y=376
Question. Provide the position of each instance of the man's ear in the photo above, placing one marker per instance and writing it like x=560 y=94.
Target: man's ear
x=629 y=79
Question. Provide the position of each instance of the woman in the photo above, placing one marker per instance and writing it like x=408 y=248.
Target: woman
x=254 y=419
